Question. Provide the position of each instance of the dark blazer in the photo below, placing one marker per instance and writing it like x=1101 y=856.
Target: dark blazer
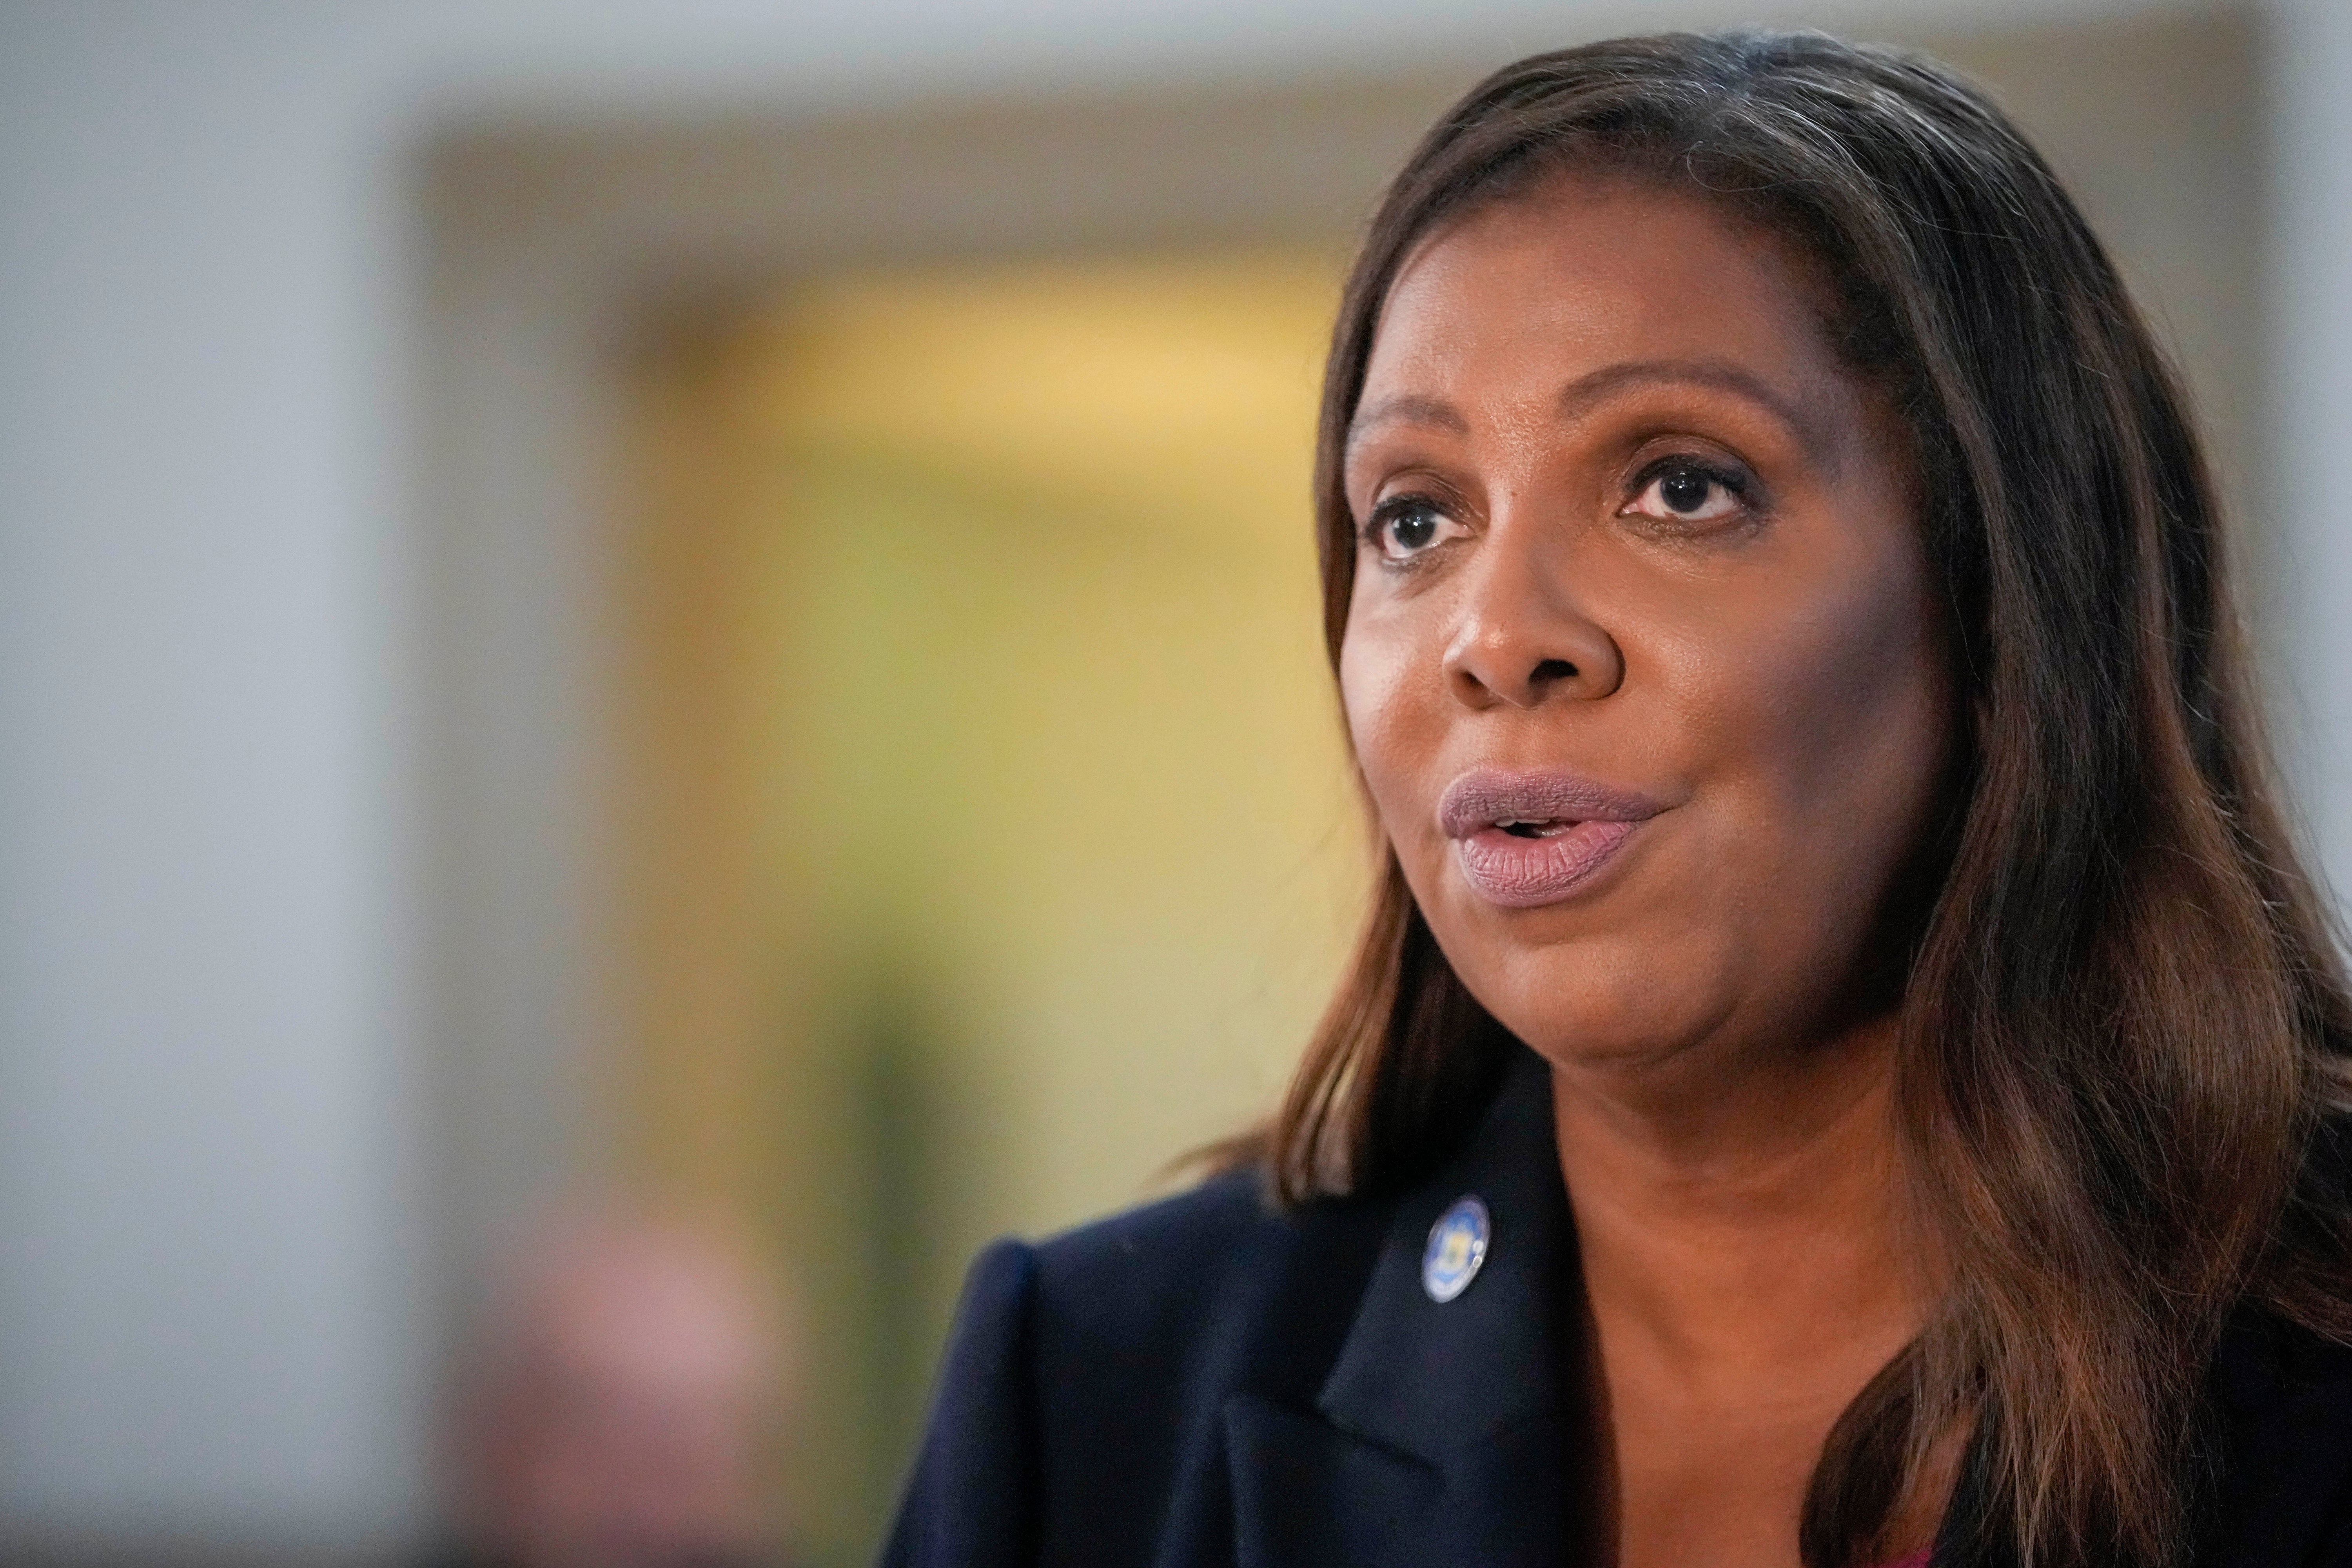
x=1207 y=1380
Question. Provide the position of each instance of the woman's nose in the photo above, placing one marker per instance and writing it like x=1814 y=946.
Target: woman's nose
x=1523 y=639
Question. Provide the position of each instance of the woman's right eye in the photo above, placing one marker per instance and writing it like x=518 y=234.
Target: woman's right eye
x=1407 y=526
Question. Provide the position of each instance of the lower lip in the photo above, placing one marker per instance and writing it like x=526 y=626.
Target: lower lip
x=1527 y=873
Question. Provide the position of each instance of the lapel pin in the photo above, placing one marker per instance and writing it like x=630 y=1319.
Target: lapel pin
x=1458 y=1245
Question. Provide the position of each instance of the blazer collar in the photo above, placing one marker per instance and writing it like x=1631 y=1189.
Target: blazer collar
x=1440 y=1440
x=1430 y=1378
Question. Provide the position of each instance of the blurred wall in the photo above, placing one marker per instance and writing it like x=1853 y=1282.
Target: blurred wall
x=219 y=905
x=987 y=833
x=2306 y=549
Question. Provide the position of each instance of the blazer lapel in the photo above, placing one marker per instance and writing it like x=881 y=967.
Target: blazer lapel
x=1440 y=1436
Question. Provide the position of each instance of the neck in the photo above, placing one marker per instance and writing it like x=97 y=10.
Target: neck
x=1734 y=1217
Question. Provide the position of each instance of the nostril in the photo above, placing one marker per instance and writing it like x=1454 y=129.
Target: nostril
x=1551 y=670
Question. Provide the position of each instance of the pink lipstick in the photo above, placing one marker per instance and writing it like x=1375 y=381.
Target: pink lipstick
x=1529 y=839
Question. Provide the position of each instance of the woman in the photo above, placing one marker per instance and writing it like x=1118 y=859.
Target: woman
x=1840 y=1066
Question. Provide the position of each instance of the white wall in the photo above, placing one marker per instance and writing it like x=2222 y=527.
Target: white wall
x=2311 y=345
x=211 y=999
x=202 y=993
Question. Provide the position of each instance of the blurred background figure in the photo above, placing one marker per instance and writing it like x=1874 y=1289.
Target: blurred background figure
x=620 y=1404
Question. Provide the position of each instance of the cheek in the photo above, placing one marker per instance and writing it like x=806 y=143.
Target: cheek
x=1881 y=700
x=1376 y=668
x=1841 y=714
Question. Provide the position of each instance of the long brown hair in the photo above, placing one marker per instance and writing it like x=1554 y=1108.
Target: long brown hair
x=2124 y=1018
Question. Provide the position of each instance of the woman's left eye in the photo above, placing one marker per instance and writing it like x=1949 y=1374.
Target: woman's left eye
x=1685 y=491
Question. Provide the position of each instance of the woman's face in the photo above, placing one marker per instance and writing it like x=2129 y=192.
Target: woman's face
x=1642 y=665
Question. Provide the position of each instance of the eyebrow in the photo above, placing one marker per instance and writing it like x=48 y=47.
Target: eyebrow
x=1596 y=386
x=1408 y=408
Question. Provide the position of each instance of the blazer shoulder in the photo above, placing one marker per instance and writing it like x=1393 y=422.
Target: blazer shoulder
x=972 y=1496
x=1216 y=1288
x=1143 y=1325
x=1224 y=1223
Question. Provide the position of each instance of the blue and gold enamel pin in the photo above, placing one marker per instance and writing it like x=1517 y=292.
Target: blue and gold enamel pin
x=1458 y=1245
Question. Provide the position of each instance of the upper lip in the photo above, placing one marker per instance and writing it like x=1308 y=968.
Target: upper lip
x=1483 y=797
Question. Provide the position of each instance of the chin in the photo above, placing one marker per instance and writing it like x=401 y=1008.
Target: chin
x=1596 y=1002
x=1598 y=1037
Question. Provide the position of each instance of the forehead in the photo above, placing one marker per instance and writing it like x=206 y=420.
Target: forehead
x=1520 y=296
